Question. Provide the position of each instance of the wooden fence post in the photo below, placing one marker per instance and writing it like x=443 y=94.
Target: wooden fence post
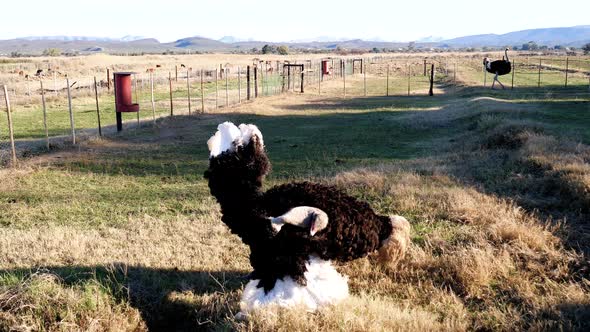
x=513 y=70
x=320 y=77
x=239 y=85
x=567 y=65
x=152 y=93
x=424 y=67
x=44 y=115
x=248 y=83
x=216 y=88
x=71 y=112
x=255 y=81
x=344 y=78
x=288 y=78
x=455 y=77
x=431 y=91
x=188 y=89
x=387 y=91
x=302 y=78
x=409 y=76
x=202 y=94
x=539 y=81
x=97 y=107
x=171 y=102
x=108 y=79
x=176 y=72
x=226 y=89
x=364 y=70
x=10 y=127
x=283 y=85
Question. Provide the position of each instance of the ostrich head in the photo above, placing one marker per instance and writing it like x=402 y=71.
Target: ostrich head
x=318 y=223
x=486 y=60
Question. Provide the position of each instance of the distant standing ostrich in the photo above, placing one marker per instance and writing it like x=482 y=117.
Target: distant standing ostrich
x=498 y=67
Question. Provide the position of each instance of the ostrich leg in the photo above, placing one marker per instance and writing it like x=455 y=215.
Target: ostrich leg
x=496 y=79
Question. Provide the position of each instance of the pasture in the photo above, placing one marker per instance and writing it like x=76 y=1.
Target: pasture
x=120 y=233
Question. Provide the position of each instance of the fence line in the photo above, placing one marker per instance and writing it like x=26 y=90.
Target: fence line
x=90 y=100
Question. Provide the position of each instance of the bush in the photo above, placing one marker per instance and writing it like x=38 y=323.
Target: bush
x=52 y=52
x=283 y=50
x=268 y=49
x=530 y=46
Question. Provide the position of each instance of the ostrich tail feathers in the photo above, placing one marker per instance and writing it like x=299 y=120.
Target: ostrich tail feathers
x=225 y=138
x=248 y=132
x=394 y=248
x=228 y=137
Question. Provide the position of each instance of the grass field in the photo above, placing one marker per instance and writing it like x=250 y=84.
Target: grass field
x=451 y=69
x=121 y=233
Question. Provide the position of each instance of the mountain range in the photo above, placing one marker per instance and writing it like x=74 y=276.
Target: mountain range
x=564 y=36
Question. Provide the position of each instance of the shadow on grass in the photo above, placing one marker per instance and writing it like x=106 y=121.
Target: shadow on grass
x=297 y=144
x=546 y=92
x=152 y=290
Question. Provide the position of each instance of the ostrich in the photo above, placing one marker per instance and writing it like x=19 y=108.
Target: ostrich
x=498 y=67
x=292 y=266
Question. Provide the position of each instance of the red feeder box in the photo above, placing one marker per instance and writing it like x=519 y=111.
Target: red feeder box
x=123 y=97
x=325 y=68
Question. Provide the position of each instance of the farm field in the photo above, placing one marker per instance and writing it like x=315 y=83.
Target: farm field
x=121 y=233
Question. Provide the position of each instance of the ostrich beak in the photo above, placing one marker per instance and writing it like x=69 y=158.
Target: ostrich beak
x=312 y=229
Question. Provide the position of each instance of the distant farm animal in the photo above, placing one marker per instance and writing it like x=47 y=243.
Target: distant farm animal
x=158 y=66
x=182 y=65
x=498 y=67
x=39 y=73
x=224 y=70
x=21 y=73
x=269 y=67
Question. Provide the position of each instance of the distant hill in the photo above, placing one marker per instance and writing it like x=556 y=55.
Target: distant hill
x=36 y=46
x=572 y=36
x=127 y=38
x=199 y=43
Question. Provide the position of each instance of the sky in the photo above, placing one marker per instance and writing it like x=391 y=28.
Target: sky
x=275 y=21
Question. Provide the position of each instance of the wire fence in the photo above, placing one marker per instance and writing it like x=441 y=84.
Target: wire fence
x=52 y=109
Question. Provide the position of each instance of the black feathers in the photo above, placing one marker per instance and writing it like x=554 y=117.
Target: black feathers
x=500 y=67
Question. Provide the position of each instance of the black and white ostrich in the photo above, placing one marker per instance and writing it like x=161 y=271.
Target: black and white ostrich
x=291 y=264
x=498 y=67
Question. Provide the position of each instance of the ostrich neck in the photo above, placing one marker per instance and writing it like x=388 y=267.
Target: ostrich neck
x=235 y=197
